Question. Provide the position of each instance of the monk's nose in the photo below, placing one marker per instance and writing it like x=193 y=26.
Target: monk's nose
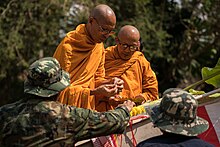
x=127 y=49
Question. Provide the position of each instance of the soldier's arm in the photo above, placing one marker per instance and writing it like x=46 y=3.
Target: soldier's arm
x=84 y=123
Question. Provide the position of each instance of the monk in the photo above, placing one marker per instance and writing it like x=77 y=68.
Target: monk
x=81 y=54
x=125 y=61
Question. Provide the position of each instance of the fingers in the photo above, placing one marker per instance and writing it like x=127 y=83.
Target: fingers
x=118 y=96
x=118 y=81
x=108 y=90
x=129 y=104
x=120 y=88
x=112 y=91
x=110 y=86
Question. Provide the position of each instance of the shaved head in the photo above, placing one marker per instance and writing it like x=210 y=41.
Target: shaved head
x=104 y=12
x=127 y=39
x=101 y=22
x=129 y=32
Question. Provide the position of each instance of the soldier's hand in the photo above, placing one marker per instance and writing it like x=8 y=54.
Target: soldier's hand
x=129 y=104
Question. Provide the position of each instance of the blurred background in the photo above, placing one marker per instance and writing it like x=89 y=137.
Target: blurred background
x=178 y=37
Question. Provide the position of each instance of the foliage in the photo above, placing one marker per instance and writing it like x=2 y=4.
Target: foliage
x=195 y=92
x=210 y=76
x=28 y=30
x=206 y=72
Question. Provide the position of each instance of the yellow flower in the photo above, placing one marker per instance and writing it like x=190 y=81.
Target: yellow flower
x=137 y=110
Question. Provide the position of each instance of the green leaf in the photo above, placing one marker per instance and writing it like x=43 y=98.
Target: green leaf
x=216 y=95
x=196 y=92
x=215 y=72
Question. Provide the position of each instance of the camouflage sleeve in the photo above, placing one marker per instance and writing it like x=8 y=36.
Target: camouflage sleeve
x=85 y=123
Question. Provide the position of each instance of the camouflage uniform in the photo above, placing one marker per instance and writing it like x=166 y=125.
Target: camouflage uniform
x=39 y=121
x=177 y=113
x=177 y=117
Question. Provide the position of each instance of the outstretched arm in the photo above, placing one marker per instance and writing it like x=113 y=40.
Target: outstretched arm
x=83 y=124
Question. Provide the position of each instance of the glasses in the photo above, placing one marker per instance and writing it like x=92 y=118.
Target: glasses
x=105 y=31
x=132 y=48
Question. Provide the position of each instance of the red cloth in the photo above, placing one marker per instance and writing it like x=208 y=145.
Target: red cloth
x=210 y=134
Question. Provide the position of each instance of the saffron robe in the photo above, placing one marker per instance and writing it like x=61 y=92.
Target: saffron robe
x=137 y=74
x=84 y=61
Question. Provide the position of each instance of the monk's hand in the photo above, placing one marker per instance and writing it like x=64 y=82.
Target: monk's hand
x=106 y=90
x=128 y=104
x=118 y=97
x=119 y=83
x=139 y=99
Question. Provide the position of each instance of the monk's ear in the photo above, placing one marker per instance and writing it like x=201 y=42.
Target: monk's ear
x=139 y=43
x=139 y=46
x=117 y=40
x=91 y=19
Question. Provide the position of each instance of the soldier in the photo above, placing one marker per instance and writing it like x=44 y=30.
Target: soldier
x=38 y=120
x=176 y=118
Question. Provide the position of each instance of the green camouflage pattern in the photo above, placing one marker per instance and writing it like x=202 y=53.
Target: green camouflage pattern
x=46 y=78
x=177 y=113
x=36 y=122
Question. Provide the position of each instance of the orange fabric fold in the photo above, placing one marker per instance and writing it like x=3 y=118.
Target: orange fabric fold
x=76 y=96
x=137 y=74
x=84 y=61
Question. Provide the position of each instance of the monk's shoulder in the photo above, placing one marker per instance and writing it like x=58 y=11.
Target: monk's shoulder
x=110 y=49
x=141 y=57
x=139 y=54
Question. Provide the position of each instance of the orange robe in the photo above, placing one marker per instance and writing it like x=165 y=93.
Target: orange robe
x=84 y=60
x=137 y=74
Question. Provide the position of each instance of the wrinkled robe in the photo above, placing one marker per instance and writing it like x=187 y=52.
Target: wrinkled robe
x=137 y=74
x=84 y=61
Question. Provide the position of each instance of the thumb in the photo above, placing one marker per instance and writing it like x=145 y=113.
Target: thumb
x=110 y=86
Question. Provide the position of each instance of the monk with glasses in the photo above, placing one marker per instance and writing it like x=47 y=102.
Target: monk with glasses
x=81 y=54
x=125 y=61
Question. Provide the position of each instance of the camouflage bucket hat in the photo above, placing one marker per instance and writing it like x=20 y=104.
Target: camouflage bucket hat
x=177 y=113
x=46 y=78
